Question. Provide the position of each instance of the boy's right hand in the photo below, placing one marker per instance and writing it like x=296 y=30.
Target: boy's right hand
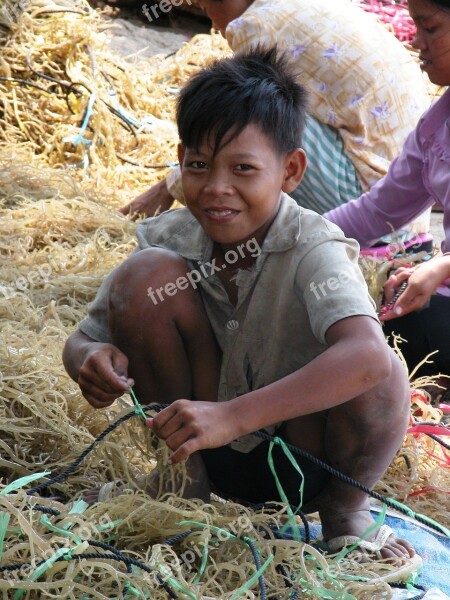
x=103 y=376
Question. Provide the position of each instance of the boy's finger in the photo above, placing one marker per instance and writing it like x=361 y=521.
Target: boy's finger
x=184 y=452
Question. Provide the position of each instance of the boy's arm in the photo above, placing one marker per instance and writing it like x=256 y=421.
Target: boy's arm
x=100 y=369
x=356 y=360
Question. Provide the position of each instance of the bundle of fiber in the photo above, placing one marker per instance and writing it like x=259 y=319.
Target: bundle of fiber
x=59 y=236
x=69 y=102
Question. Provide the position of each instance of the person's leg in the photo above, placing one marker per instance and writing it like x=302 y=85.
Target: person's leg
x=425 y=331
x=330 y=178
x=169 y=343
x=360 y=439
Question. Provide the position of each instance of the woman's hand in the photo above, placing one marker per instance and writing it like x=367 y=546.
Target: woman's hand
x=422 y=283
x=191 y=425
x=103 y=375
x=149 y=202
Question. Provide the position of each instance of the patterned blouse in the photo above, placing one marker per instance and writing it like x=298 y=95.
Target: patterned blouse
x=361 y=79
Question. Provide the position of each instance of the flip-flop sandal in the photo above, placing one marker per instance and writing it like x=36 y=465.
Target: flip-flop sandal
x=372 y=548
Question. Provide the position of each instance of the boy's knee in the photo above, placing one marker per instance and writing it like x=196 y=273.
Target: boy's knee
x=148 y=278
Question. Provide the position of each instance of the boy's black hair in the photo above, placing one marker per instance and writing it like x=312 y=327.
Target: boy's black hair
x=258 y=87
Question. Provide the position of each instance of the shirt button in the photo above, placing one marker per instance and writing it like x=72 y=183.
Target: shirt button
x=233 y=325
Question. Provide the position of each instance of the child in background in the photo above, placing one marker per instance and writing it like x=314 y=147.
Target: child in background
x=366 y=94
x=244 y=311
x=417 y=179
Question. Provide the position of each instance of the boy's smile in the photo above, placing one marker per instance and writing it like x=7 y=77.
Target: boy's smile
x=432 y=39
x=235 y=194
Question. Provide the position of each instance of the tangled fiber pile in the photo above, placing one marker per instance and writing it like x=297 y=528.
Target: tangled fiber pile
x=59 y=236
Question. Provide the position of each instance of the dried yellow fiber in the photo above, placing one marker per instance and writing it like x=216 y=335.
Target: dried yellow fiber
x=59 y=236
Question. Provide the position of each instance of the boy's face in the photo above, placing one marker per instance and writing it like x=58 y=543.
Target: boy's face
x=222 y=12
x=235 y=194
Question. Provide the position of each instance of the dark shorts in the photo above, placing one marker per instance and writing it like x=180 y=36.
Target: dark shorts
x=248 y=476
x=425 y=331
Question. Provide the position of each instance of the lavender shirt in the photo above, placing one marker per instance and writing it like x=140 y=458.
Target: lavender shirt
x=418 y=178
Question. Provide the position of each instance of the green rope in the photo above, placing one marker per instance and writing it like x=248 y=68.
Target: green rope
x=291 y=516
x=4 y=522
x=139 y=410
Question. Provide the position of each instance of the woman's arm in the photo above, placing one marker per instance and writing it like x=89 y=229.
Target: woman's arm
x=393 y=202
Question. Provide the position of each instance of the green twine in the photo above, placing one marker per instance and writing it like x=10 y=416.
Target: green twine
x=174 y=583
x=4 y=522
x=205 y=554
x=22 y=481
x=291 y=515
x=417 y=516
x=137 y=404
x=254 y=578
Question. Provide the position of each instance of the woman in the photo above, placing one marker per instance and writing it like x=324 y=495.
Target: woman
x=417 y=179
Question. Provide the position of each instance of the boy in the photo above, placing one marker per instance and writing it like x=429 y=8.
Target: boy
x=244 y=311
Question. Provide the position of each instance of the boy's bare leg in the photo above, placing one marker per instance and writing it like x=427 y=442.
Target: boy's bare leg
x=360 y=439
x=169 y=343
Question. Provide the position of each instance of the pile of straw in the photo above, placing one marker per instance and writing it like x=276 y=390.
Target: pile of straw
x=59 y=236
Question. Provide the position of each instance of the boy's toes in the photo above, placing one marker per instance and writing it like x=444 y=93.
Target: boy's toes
x=396 y=548
x=91 y=496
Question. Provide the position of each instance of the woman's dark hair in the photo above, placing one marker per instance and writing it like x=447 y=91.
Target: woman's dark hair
x=442 y=3
x=259 y=87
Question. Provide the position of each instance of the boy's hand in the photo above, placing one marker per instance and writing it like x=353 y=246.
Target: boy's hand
x=422 y=283
x=103 y=375
x=188 y=426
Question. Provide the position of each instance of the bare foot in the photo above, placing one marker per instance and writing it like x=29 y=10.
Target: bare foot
x=197 y=486
x=345 y=528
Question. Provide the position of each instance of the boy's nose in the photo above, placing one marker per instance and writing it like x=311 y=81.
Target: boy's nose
x=218 y=184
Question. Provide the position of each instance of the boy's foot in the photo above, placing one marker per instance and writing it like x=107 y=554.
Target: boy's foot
x=346 y=529
x=196 y=487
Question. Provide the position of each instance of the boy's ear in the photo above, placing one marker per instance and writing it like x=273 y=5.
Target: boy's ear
x=295 y=166
x=181 y=152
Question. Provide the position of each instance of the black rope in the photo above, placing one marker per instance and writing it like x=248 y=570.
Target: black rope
x=404 y=586
x=117 y=555
x=114 y=555
x=42 y=486
x=256 y=558
x=261 y=434
x=438 y=440
x=29 y=84
x=350 y=481
x=387 y=307
x=177 y=538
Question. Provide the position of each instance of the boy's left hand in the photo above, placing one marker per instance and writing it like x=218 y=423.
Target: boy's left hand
x=422 y=283
x=191 y=425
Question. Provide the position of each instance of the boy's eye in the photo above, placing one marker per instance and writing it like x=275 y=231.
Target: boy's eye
x=244 y=167
x=197 y=164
